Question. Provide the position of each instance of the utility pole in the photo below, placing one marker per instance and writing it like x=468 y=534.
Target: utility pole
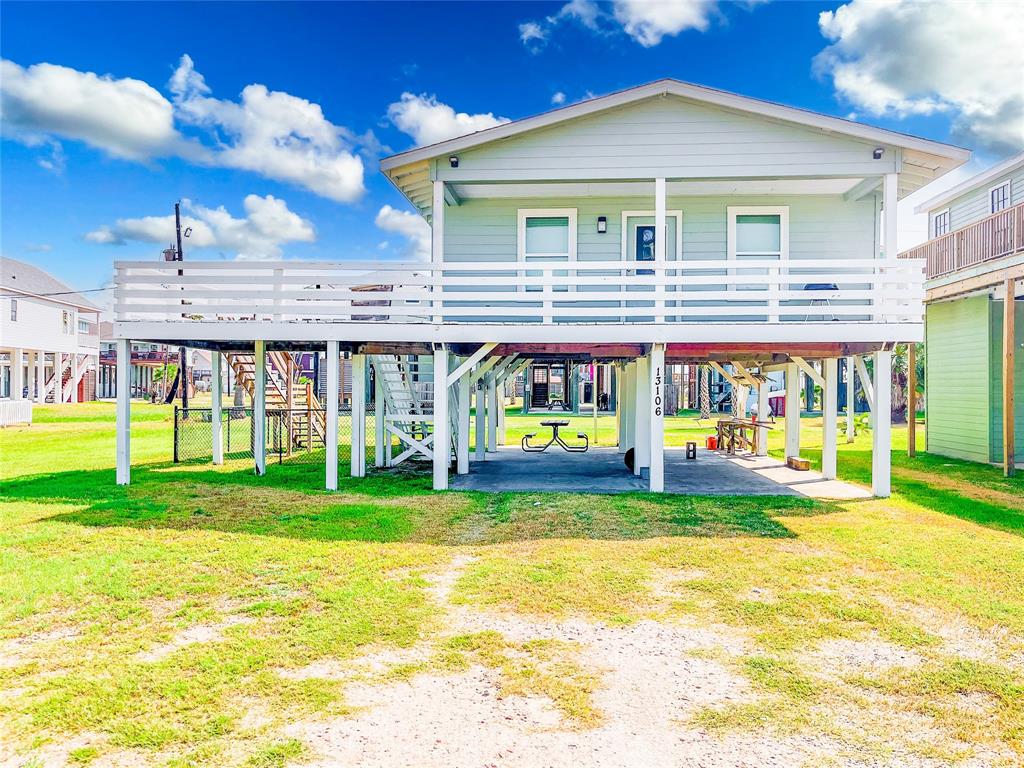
x=180 y=256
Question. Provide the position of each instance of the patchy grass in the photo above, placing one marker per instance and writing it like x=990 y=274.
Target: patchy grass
x=158 y=618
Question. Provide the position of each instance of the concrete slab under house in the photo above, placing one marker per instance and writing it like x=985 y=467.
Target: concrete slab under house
x=666 y=224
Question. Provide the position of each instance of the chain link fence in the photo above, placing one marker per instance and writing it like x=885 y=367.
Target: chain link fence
x=292 y=436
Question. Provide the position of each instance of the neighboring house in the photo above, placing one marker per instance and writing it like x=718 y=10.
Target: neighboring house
x=49 y=337
x=975 y=260
x=147 y=361
x=667 y=224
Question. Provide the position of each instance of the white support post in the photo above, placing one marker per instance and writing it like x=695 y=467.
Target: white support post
x=480 y=396
x=792 y=410
x=380 y=435
x=830 y=415
x=41 y=376
x=123 y=412
x=499 y=387
x=762 y=415
x=216 y=410
x=442 y=439
x=462 y=440
x=358 y=452
x=492 y=414
x=880 y=435
x=629 y=407
x=660 y=253
x=889 y=197
x=437 y=240
x=851 y=397
x=642 y=418
x=73 y=383
x=332 y=397
x=656 y=395
x=620 y=406
x=17 y=377
x=259 y=407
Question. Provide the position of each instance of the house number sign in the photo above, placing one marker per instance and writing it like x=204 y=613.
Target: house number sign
x=657 y=391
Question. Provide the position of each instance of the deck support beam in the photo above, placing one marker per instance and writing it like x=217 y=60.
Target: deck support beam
x=381 y=438
x=462 y=441
x=911 y=399
x=642 y=418
x=17 y=377
x=492 y=412
x=259 y=407
x=763 y=409
x=881 y=439
x=851 y=399
x=332 y=396
x=656 y=410
x=123 y=413
x=442 y=439
x=216 y=407
x=830 y=417
x=41 y=376
x=358 y=452
x=480 y=396
x=1009 y=355
x=792 y=410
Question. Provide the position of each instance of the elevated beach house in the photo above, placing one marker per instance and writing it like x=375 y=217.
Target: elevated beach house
x=668 y=223
x=974 y=259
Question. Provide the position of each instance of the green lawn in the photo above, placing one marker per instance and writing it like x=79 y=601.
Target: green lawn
x=150 y=623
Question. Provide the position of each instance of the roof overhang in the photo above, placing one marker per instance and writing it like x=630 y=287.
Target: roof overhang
x=1008 y=165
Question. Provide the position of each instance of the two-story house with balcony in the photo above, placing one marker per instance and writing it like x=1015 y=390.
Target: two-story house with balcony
x=49 y=337
x=668 y=223
x=975 y=316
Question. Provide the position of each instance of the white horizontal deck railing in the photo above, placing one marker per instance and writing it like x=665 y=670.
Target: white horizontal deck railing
x=768 y=291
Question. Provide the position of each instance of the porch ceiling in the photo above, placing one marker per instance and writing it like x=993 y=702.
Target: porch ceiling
x=817 y=186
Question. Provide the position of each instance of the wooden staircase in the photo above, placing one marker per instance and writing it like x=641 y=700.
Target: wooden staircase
x=62 y=366
x=407 y=382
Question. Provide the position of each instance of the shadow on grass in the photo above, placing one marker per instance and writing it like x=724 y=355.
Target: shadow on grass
x=388 y=506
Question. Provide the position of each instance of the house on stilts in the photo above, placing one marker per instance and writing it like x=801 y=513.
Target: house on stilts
x=667 y=223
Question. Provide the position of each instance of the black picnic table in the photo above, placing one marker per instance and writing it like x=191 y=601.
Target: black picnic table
x=555 y=425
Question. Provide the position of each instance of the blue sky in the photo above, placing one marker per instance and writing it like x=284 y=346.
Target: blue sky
x=81 y=154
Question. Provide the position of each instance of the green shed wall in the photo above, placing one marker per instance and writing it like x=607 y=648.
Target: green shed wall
x=958 y=336
x=996 y=357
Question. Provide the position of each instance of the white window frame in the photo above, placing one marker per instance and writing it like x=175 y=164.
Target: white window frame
x=782 y=211
x=935 y=219
x=676 y=214
x=544 y=213
x=14 y=310
x=1009 y=196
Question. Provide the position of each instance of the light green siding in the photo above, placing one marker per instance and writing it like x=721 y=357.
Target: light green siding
x=996 y=320
x=958 y=336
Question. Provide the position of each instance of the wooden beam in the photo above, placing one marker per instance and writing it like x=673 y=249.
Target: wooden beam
x=483 y=368
x=725 y=374
x=472 y=360
x=862 y=188
x=807 y=368
x=911 y=399
x=580 y=351
x=865 y=383
x=977 y=283
x=1009 y=355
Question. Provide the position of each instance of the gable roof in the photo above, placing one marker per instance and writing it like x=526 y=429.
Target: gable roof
x=22 y=277
x=1009 y=165
x=699 y=93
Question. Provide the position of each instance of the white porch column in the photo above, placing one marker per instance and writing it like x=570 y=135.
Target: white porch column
x=492 y=414
x=500 y=394
x=442 y=439
x=629 y=406
x=620 y=406
x=259 y=407
x=123 y=410
x=762 y=415
x=480 y=397
x=830 y=415
x=41 y=376
x=17 y=373
x=656 y=395
x=851 y=396
x=792 y=410
x=659 y=245
x=880 y=436
x=73 y=383
x=331 y=398
x=462 y=441
x=642 y=417
x=216 y=411
x=380 y=436
x=889 y=195
x=358 y=451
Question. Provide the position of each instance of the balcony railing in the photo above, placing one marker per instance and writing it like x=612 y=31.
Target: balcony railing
x=762 y=290
x=998 y=235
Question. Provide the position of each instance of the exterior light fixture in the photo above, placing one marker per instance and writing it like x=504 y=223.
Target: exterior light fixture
x=602 y=225
x=453 y=161
x=877 y=154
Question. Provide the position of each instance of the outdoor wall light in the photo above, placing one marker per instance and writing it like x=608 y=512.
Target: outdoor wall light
x=453 y=161
x=602 y=225
x=877 y=154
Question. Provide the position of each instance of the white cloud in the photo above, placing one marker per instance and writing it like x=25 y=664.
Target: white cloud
x=125 y=118
x=38 y=247
x=411 y=226
x=647 y=22
x=274 y=134
x=905 y=58
x=558 y=98
x=429 y=121
x=268 y=224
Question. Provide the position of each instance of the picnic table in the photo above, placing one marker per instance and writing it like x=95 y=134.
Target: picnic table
x=557 y=402
x=734 y=431
x=555 y=425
